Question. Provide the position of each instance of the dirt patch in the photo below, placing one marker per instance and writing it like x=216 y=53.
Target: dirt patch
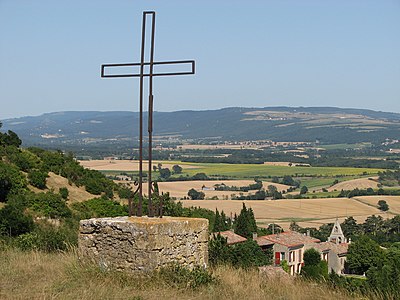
x=55 y=182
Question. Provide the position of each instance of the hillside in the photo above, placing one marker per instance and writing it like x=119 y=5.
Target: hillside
x=326 y=124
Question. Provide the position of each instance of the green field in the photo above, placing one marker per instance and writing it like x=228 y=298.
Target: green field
x=325 y=175
x=345 y=146
x=265 y=171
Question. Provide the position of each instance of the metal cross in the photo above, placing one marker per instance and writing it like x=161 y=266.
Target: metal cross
x=150 y=74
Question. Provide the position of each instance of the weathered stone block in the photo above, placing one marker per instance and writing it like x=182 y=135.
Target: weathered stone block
x=144 y=244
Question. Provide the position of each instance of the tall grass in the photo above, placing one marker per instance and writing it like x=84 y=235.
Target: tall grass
x=37 y=275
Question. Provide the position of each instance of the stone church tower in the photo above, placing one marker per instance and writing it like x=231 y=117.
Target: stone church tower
x=337 y=235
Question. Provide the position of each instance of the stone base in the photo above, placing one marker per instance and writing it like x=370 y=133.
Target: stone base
x=144 y=244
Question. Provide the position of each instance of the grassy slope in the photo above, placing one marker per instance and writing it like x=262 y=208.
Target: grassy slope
x=35 y=275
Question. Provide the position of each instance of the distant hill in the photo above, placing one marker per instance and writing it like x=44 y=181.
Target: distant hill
x=326 y=124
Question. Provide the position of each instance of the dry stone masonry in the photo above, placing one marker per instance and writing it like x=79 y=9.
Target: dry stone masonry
x=144 y=244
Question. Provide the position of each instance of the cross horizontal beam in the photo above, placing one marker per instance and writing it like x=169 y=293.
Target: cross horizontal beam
x=175 y=62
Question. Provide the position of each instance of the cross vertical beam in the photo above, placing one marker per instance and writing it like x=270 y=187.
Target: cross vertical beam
x=142 y=74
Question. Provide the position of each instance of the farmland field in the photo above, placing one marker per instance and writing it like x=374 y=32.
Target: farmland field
x=307 y=212
x=179 y=189
x=127 y=165
x=239 y=171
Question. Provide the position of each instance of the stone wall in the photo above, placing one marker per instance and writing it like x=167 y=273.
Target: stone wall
x=144 y=244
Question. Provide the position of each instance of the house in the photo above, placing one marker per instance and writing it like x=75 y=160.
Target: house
x=334 y=251
x=231 y=237
x=288 y=246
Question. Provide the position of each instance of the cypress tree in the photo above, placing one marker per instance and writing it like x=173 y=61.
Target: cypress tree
x=217 y=222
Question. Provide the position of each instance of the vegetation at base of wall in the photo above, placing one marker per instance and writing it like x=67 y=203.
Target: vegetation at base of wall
x=177 y=276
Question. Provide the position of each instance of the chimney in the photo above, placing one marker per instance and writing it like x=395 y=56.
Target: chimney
x=254 y=235
x=308 y=232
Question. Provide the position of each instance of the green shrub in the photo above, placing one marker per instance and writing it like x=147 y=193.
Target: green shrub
x=219 y=252
x=100 y=207
x=13 y=221
x=12 y=181
x=49 y=204
x=242 y=255
x=64 y=193
x=37 y=178
x=48 y=238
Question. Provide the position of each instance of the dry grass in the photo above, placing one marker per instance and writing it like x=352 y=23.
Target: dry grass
x=35 y=275
x=360 y=183
x=179 y=189
x=55 y=182
x=307 y=212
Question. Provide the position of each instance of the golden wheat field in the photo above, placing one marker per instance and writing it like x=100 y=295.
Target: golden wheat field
x=360 y=183
x=392 y=201
x=179 y=189
x=126 y=165
x=306 y=212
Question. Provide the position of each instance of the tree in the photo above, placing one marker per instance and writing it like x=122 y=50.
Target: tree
x=314 y=267
x=245 y=223
x=195 y=195
x=373 y=224
x=177 y=169
x=272 y=189
x=217 y=223
x=218 y=250
x=248 y=254
x=303 y=190
x=10 y=139
x=11 y=181
x=294 y=226
x=363 y=254
x=165 y=173
x=385 y=277
x=275 y=179
x=382 y=205
x=288 y=180
x=350 y=227
x=200 y=176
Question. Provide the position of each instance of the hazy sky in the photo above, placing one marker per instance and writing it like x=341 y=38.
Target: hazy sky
x=342 y=53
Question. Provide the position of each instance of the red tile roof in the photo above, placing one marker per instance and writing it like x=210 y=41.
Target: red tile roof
x=232 y=238
x=287 y=238
x=337 y=248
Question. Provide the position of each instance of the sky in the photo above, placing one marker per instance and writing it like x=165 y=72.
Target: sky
x=343 y=53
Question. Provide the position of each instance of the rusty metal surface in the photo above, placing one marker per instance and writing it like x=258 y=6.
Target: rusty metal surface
x=151 y=63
